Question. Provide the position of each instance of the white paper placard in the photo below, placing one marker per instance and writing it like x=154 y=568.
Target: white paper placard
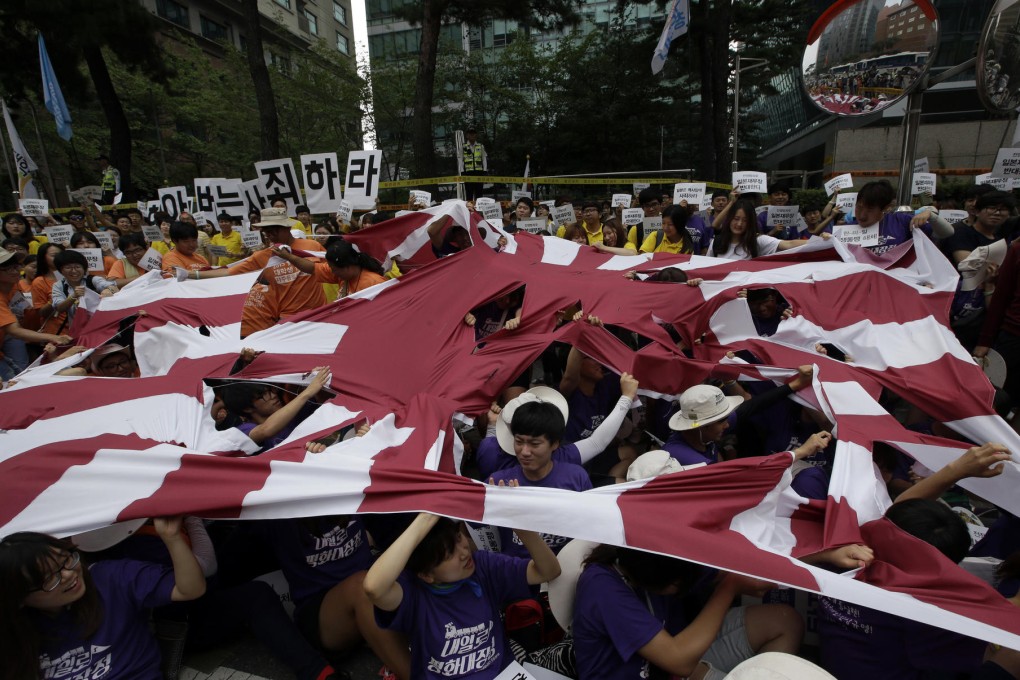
x=952 y=216
x=852 y=234
x=251 y=239
x=320 y=173
x=423 y=198
x=94 y=256
x=639 y=187
x=923 y=183
x=621 y=200
x=921 y=165
x=173 y=200
x=1007 y=163
x=650 y=225
x=518 y=195
x=531 y=226
x=151 y=232
x=846 y=202
x=278 y=181
x=361 y=183
x=515 y=671
x=105 y=239
x=749 y=182
x=844 y=181
x=34 y=207
x=564 y=214
x=205 y=199
x=345 y=212
x=782 y=215
x=216 y=252
x=491 y=211
x=151 y=260
x=692 y=192
x=633 y=216
x=484 y=200
x=60 y=234
x=1000 y=183
x=760 y=209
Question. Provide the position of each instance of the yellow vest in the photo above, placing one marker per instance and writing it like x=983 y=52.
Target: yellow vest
x=473 y=154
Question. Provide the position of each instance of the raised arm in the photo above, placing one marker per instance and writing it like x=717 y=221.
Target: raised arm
x=606 y=431
x=277 y=421
x=189 y=583
x=306 y=266
x=544 y=566
x=977 y=461
x=720 y=218
x=380 y=582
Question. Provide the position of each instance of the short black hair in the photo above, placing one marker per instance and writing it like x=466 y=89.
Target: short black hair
x=66 y=257
x=669 y=275
x=133 y=239
x=526 y=201
x=720 y=192
x=301 y=209
x=240 y=396
x=647 y=195
x=437 y=545
x=934 y=523
x=779 y=186
x=589 y=204
x=183 y=230
x=978 y=190
x=993 y=199
x=878 y=194
x=539 y=419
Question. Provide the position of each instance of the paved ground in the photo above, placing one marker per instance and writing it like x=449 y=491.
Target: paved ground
x=248 y=660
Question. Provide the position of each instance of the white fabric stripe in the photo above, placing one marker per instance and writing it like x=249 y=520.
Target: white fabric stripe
x=560 y=251
x=372 y=292
x=153 y=288
x=326 y=416
x=621 y=262
x=855 y=478
x=850 y=399
x=328 y=483
x=419 y=238
x=765 y=524
x=139 y=474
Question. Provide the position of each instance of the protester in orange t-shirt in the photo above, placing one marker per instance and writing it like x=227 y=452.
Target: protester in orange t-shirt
x=185 y=240
x=344 y=265
x=12 y=336
x=283 y=289
x=42 y=288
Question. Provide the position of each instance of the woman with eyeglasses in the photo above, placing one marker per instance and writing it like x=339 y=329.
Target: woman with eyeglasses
x=57 y=614
x=258 y=410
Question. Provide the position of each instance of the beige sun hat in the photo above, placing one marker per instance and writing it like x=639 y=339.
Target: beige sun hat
x=702 y=405
x=539 y=394
x=272 y=217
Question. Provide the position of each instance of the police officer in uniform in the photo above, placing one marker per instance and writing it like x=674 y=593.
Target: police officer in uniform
x=110 y=180
x=475 y=163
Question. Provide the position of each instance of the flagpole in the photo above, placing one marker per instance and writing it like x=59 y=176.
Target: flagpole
x=7 y=162
x=46 y=164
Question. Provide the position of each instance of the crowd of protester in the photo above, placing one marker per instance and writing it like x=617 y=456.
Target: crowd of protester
x=429 y=596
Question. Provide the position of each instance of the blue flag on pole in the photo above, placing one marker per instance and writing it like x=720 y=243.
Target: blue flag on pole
x=677 y=21
x=52 y=95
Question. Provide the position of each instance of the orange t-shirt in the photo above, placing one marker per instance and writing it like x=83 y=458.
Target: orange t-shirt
x=42 y=294
x=117 y=271
x=281 y=291
x=189 y=262
x=324 y=274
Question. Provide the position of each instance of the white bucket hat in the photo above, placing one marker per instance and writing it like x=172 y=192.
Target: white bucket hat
x=778 y=666
x=563 y=588
x=272 y=217
x=702 y=405
x=653 y=464
x=545 y=395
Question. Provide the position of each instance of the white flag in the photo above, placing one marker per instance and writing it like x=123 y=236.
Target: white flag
x=26 y=166
x=676 y=25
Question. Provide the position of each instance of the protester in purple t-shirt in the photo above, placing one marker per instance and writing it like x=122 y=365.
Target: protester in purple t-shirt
x=61 y=618
x=325 y=560
x=627 y=619
x=448 y=600
x=261 y=414
x=874 y=199
x=700 y=231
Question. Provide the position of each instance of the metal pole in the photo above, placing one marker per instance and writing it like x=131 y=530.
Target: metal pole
x=736 y=112
x=911 y=121
x=50 y=188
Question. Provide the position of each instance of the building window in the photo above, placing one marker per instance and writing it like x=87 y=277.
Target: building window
x=283 y=3
x=173 y=11
x=214 y=30
x=313 y=22
x=342 y=44
x=340 y=13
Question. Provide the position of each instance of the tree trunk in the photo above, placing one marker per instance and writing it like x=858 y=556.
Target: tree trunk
x=422 y=135
x=120 y=131
x=700 y=32
x=722 y=123
x=268 y=119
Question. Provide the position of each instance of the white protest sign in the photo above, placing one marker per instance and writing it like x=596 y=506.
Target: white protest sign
x=782 y=215
x=200 y=219
x=173 y=200
x=151 y=260
x=531 y=226
x=253 y=195
x=361 y=185
x=152 y=232
x=1007 y=164
x=251 y=238
x=846 y=202
x=844 y=181
x=94 y=257
x=216 y=252
x=141 y=205
x=205 y=198
x=952 y=216
x=278 y=182
x=621 y=200
x=515 y=671
x=564 y=214
x=59 y=234
x=484 y=200
x=491 y=211
x=118 y=198
x=692 y=192
x=485 y=536
x=974 y=267
x=760 y=209
x=852 y=234
x=34 y=207
x=321 y=175
x=633 y=216
x=345 y=212
x=105 y=239
x=518 y=195
x=1000 y=183
x=423 y=198
x=921 y=165
x=227 y=198
x=748 y=182
x=923 y=183
x=650 y=225
x=639 y=187
x=151 y=208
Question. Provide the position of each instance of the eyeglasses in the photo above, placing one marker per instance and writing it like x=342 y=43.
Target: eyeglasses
x=53 y=581
x=73 y=267
x=997 y=209
x=76 y=218
x=267 y=395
